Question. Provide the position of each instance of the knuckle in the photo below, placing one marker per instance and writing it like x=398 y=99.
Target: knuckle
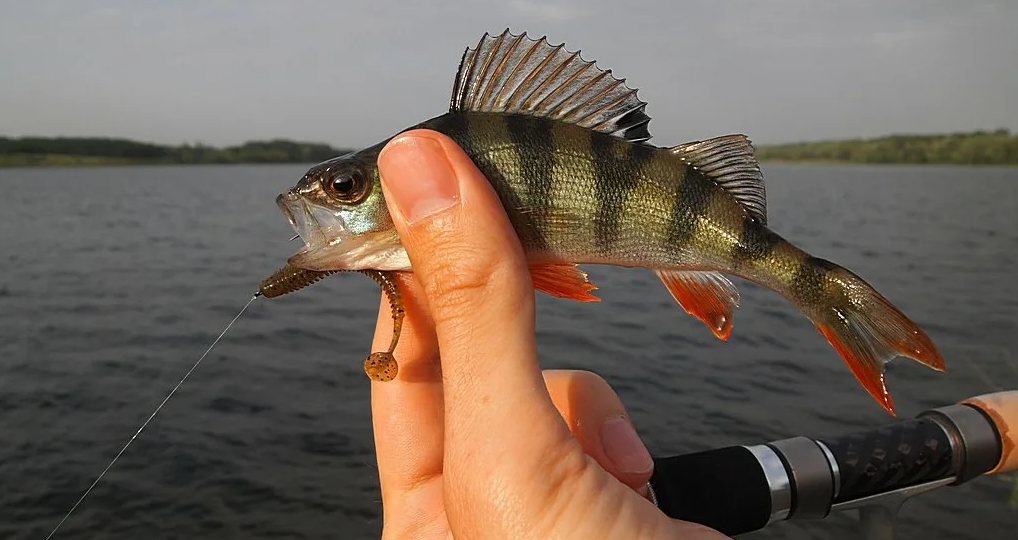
x=462 y=278
x=563 y=468
x=571 y=485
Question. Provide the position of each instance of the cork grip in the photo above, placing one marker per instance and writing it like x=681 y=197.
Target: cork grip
x=1002 y=409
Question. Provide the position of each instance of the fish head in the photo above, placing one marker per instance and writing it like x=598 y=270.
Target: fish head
x=339 y=211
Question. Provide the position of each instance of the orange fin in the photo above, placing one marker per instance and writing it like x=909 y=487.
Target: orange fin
x=563 y=280
x=708 y=296
x=866 y=329
x=866 y=368
x=868 y=338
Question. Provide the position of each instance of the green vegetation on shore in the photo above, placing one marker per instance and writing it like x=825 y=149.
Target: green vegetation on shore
x=975 y=148
x=66 y=151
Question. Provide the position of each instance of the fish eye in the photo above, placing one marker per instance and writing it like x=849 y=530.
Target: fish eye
x=347 y=185
x=341 y=185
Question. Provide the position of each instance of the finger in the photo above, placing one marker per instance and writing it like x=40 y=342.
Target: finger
x=474 y=275
x=406 y=416
x=596 y=417
x=510 y=463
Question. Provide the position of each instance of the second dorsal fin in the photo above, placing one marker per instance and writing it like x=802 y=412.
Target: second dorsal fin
x=729 y=160
x=519 y=75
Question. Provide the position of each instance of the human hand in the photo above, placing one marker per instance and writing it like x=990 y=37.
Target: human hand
x=481 y=444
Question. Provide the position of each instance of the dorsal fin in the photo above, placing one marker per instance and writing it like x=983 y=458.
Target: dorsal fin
x=518 y=75
x=729 y=160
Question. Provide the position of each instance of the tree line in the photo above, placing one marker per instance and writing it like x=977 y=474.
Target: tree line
x=99 y=150
x=973 y=148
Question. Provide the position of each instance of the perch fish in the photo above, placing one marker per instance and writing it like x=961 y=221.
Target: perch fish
x=566 y=147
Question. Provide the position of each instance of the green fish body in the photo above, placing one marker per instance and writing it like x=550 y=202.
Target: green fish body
x=565 y=146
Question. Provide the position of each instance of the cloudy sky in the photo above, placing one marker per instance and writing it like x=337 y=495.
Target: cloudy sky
x=350 y=72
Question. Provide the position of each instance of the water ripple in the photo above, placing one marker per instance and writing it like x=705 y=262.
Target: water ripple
x=104 y=307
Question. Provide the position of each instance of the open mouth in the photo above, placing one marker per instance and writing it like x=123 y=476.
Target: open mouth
x=330 y=245
x=302 y=219
x=327 y=242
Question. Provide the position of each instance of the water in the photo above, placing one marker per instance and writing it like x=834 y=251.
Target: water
x=114 y=280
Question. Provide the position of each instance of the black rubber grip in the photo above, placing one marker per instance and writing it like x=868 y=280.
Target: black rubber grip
x=724 y=489
x=893 y=457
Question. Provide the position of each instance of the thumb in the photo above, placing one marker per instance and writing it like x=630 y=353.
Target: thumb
x=510 y=463
x=598 y=420
x=472 y=270
x=474 y=274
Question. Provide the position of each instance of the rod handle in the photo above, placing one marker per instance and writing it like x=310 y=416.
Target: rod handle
x=1002 y=410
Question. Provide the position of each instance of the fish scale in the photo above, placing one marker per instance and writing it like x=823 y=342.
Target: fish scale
x=565 y=145
x=621 y=191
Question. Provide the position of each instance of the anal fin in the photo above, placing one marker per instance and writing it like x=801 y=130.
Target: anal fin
x=563 y=280
x=708 y=296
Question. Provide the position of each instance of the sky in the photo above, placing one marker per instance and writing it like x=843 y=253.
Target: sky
x=351 y=72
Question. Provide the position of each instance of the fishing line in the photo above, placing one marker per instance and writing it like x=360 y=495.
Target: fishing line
x=151 y=416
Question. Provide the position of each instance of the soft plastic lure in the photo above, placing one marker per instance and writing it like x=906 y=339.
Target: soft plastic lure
x=379 y=366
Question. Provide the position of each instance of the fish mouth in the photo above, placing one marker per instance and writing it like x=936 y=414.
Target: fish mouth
x=330 y=245
x=316 y=226
x=367 y=251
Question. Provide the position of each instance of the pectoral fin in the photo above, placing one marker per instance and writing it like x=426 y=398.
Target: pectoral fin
x=563 y=280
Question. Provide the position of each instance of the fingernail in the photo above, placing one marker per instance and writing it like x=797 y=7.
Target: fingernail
x=623 y=446
x=421 y=182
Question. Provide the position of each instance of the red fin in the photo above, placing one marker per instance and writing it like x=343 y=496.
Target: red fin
x=868 y=370
x=869 y=332
x=708 y=296
x=563 y=280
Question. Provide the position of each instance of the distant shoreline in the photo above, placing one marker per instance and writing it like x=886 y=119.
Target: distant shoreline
x=98 y=163
x=52 y=161
x=98 y=151
x=971 y=148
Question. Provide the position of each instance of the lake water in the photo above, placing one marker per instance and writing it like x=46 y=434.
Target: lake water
x=114 y=280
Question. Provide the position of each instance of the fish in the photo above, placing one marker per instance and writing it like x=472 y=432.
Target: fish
x=565 y=145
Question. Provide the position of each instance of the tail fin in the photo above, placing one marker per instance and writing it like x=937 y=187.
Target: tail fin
x=867 y=331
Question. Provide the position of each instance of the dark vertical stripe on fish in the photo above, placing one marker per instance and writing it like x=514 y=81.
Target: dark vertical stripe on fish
x=528 y=223
x=534 y=146
x=617 y=169
x=756 y=243
x=536 y=165
x=691 y=201
x=642 y=158
x=456 y=126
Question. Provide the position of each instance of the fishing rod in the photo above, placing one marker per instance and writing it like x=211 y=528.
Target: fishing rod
x=740 y=489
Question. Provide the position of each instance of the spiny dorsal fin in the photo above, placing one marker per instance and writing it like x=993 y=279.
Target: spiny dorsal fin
x=518 y=75
x=729 y=161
